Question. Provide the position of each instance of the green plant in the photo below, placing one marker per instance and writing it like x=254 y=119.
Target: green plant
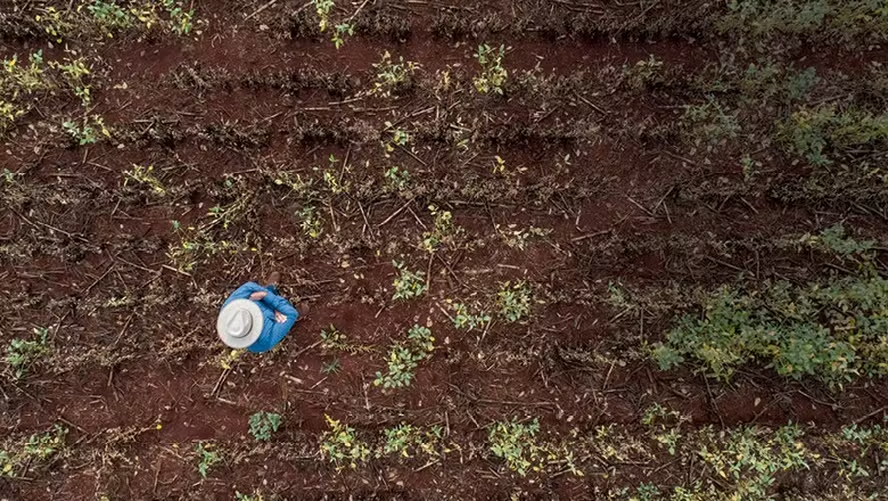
x=513 y=301
x=311 y=221
x=408 y=284
x=397 y=179
x=644 y=73
x=493 y=75
x=835 y=241
x=180 y=19
x=230 y=213
x=751 y=456
x=7 y=176
x=263 y=424
x=256 y=496
x=110 y=16
x=834 y=331
x=73 y=72
x=195 y=245
x=333 y=182
x=399 y=138
x=463 y=319
x=323 y=9
x=38 y=447
x=404 y=438
x=207 y=458
x=811 y=132
x=516 y=443
x=340 y=31
x=341 y=445
x=444 y=232
x=405 y=357
x=331 y=367
x=710 y=124
x=89 y=132
x=144 y=175
x=53 y=23
x=21 y=354
x=392 y=78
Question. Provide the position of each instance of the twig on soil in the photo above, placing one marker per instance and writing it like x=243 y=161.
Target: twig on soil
x=260 y=9
x=591 y=235
x=99 y=279
x=447 y=265
x=357 y=11
x=592 y=105
x=175 y=269
x=413 y=155
x=713 y=403
x=418 y=220
x=871 y=414
x=648 y=212
x=303 y=350
x=123 y=330
x=219 y=382
x=396 y=213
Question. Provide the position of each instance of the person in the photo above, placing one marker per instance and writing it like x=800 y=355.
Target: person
x=255 y=317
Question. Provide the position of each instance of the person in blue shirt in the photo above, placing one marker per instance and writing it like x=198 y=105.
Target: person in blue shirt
x=255 y=317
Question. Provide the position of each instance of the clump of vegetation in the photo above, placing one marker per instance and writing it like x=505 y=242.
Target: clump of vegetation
x=493 y=75
x=864 y=442
x=74 y=72
x=341 y=445
x=808 y=18
x=406 y=438
x=408 y=284
x=38 y=448
x=710 y=124
x=665 y=426
x=834 y=332
x=393 y=78
x=834 y=240
x=444 y=232
x=517 y=444
x=397 y=179
x=256 y=496
x=22 y=354
x=324 y=8
x=644 y=73
x=207 y=458
x=513 y=301
x=263 y=424
x=91 y=130
x=752 y=456
x=813 y=132
x=464 y=319
x=312 y=224
x=405 y=357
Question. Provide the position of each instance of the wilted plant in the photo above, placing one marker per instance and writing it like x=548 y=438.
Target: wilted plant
x=444 y=231
x=464 y=319
x=38 y=447
x=323 y=9
x=311 y=221
x=73 y=72
x=493 y=75
x=404 y=438
x=341 y=445
x=144 y=175
x=333 y=339
x=710 y=124
x=392 y=78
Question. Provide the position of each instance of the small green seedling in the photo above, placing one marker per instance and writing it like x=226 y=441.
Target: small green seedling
x=207 y=458
x=408 y=284
x=312 y=224
x=89 y=132
x=397 y=179
x=392 y=77
x=263 y=424
x=21 y=354
x=145 y=176
x=513 y=301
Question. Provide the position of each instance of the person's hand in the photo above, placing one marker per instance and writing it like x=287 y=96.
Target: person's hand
x=279 y=317
x=258 y=295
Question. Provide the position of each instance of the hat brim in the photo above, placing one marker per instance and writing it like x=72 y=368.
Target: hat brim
x=255 y=331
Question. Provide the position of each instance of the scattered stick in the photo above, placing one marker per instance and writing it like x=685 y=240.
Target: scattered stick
x=394 y=214
x=260 y=9
x=871 y=414
x=591 y=235
x=649 y=213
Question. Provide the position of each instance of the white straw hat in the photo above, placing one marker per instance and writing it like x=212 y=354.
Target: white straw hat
x=240 y=323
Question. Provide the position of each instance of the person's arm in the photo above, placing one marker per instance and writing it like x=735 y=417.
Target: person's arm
x=244 y=291
x=280 y=304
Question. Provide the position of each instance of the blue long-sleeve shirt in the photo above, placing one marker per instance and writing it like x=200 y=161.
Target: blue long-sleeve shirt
x=272 y=331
